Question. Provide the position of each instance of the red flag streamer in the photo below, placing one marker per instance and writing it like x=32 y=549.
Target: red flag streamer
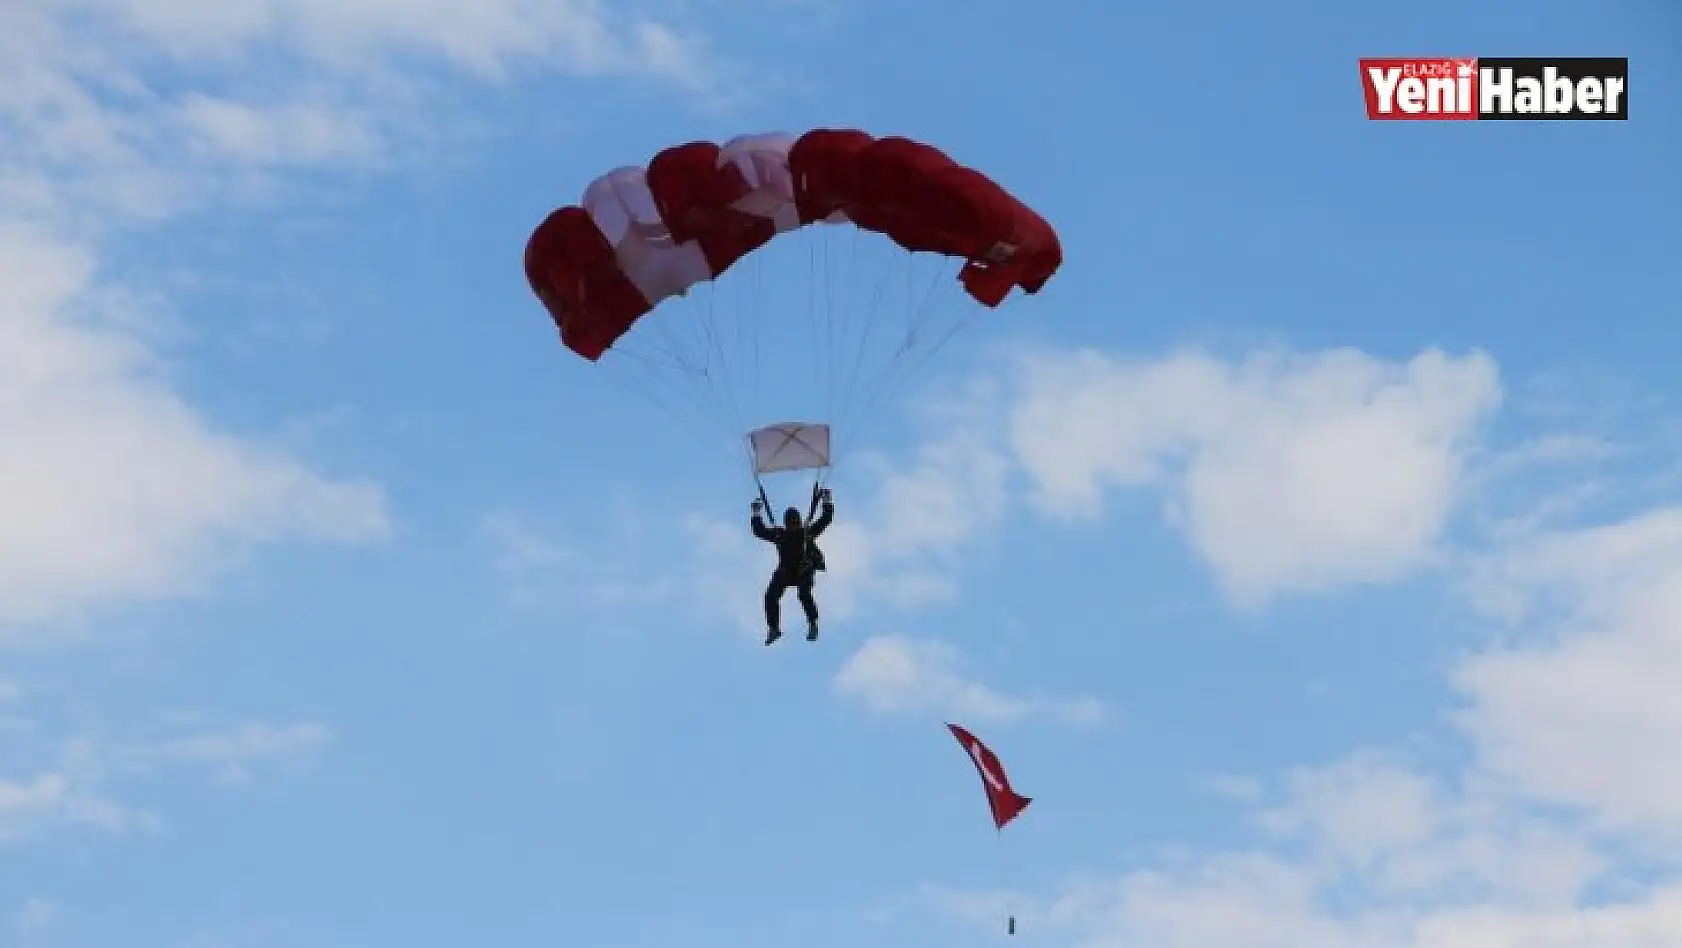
x=1001 y=799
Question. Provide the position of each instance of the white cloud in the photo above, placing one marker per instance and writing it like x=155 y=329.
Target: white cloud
x=89 y=137
x=1405 y=835
x=1590 y=714
x=288 y=133
x=896 y=675
x=235 y=751
x=52 y=799
x=1561 y=831
x=581 y=37
x=124 y=492
x=1287 y=473
x=83 y=778
x=36 y=914
x=1367 y=853
x=899 y=542
x=613 y=569
x=1233 y=786
x=360 y=79
x=1254 y=901
x=528 y=564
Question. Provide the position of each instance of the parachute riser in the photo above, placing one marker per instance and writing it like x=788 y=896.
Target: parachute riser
x=811 y=509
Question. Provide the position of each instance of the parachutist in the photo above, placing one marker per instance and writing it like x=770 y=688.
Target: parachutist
x=798 y=562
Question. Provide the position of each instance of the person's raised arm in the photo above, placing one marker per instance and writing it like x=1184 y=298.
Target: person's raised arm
x=758 y=525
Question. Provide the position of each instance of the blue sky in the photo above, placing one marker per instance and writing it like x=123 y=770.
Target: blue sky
x=1309 y=549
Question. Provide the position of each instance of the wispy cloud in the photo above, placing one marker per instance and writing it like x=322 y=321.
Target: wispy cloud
x=491 y=40
x=896 y=675
x=549 y=570
x=50 y=781
x=49 y=800
x=235 y=751
x=84 y=122
x=529 y=565
x=36 y=915
x=1232 y=786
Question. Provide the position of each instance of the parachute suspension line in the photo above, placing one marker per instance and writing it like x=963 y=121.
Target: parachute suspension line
x=822 y=307
x=838 y=280
x=851 y=308
x=869 y=311
x=815 y=312
x=850 y=388
x=746 y=323
x=677 y=347
x=915 y=312
x=901 y=370
x=743 y=397
x=817 y=488
x=814 y=315
x=700 y=360
x=902 y=367
x=826 y=301
x=702 y=334
x=661 y=374
x=651 y=397
x=811 y=510
x=709 y=328
x=755 y=320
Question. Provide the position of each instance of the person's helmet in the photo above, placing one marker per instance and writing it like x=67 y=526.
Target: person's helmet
x=791 y=517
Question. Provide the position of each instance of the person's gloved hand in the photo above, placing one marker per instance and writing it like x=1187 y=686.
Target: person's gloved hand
x=757 y=506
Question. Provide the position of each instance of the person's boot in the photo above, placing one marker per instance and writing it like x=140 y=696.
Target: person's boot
x=772 y=635
x=812 y=630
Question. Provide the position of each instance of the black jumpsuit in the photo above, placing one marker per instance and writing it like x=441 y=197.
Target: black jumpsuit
x=798 y=560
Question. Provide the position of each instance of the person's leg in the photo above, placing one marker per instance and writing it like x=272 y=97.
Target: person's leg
x=773 y=606
x=809 y=604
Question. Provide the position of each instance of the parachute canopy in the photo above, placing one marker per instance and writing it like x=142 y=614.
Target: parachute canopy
x=1004 y=802
x=643 y=235
x=789 y=446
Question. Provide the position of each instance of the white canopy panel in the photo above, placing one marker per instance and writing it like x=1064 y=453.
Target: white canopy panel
x=789 y=446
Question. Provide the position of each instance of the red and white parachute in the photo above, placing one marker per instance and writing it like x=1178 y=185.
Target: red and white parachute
x=643 y=236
